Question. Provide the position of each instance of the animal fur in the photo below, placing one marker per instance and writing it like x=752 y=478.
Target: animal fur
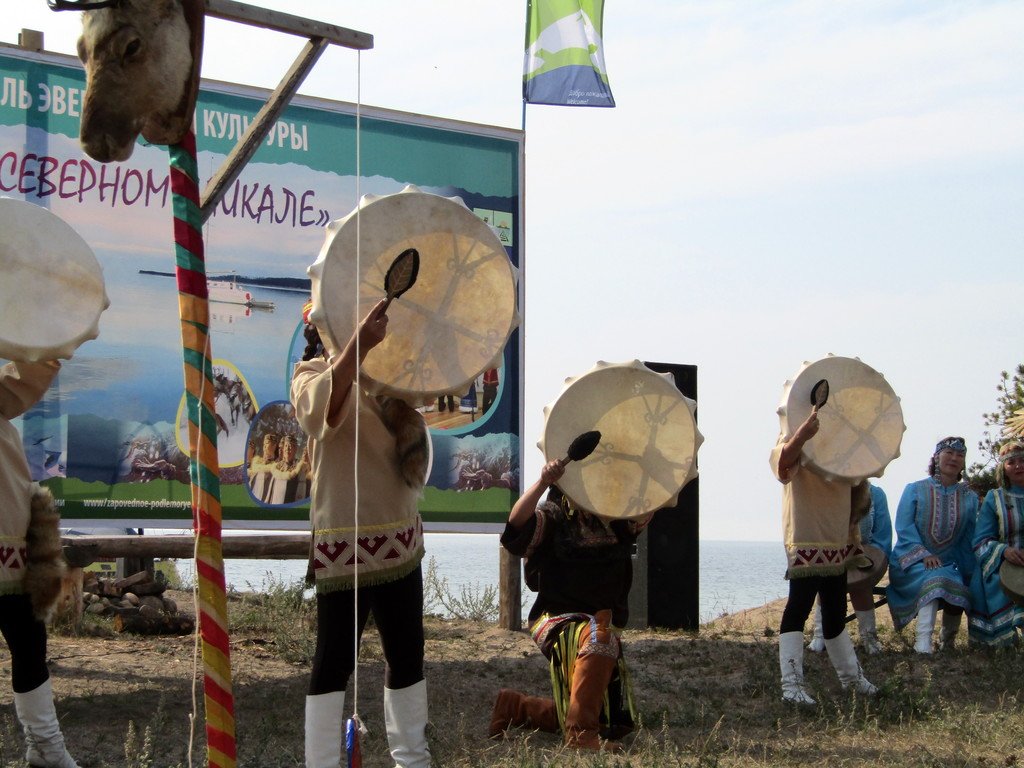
x=860 y=501
x=44 y=560
x=411 y=441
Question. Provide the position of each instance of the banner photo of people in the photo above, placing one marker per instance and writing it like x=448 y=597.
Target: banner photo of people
x=110 y=437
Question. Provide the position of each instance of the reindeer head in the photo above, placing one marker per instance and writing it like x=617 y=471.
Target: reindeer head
x=141 y=76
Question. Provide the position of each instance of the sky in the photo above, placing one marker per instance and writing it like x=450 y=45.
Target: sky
x=778 y=181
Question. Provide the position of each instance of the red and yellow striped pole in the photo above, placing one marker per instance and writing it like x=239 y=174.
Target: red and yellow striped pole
x=193 y=307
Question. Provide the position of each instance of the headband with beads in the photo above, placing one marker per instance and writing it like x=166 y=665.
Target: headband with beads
x=1016 y=453
x=952 y=443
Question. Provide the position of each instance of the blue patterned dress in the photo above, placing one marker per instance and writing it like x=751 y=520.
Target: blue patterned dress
x=938 y=520
x=994 y=618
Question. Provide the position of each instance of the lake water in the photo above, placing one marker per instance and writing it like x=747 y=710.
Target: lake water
x=734 y=575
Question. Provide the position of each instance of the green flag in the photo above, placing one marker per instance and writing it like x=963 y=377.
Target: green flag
x=564 y=61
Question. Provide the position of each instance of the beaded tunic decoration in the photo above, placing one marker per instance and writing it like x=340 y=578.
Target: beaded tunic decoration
x=945 y=513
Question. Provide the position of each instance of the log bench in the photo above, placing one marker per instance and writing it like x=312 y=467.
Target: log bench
x=82 y=549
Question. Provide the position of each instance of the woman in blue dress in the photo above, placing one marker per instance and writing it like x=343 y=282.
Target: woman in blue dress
x=932 y=561
x=994 y=618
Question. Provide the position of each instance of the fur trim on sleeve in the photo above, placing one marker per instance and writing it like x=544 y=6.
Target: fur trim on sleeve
x=44 y=566
x=411 y=439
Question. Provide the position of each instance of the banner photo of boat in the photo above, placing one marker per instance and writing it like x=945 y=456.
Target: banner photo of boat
x=228 y=291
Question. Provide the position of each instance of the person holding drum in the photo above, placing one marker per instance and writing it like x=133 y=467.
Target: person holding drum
x=581 y=568
x=820 y=526
x=22 y=384
x=932 y=561
x=620 y=443
x=392 y=457
x=994 y=618
x=875 y=531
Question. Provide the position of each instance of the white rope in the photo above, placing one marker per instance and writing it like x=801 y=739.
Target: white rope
x=195 y=653
x=358 y=392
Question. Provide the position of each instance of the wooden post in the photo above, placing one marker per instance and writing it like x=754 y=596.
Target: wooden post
x=70 y=604
x=510 y=591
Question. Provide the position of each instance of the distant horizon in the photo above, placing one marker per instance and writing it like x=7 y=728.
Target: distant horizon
x=300 y=283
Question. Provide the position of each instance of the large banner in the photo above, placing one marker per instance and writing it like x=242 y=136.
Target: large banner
x=110 y=437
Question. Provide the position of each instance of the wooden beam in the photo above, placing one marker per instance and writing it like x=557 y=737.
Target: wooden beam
x=285 y=22
x=260 y=126
x=80 y=550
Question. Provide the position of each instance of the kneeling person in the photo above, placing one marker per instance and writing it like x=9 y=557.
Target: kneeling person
x=581 y=568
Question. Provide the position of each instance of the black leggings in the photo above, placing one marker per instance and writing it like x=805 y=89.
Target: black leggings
x=802 y=591
x=26 y=639
x=398 y=613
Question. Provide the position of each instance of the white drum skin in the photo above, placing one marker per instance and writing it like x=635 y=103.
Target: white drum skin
x=52 y=289
x=649 y=439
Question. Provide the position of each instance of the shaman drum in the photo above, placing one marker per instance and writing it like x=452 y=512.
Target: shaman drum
x=52 y=291
x=861 y=424
x=649 y=439
x=1011 y=579
x=870 y=573
x=454 y=322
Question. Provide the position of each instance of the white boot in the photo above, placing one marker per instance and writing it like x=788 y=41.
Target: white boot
x=950 y=628
x=817 y=643
x=925 y=625
x=325 y=714
x=791 y=665
x=844 y=659
x=42 y=731
x=868 y=632
x=405 y=716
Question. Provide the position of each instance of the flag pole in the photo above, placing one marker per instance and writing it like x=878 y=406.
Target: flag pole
x=526 y=46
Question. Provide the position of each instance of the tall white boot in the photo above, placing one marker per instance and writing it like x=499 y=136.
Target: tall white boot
x=42 y=731
x=925 y=625
x=817 y=643
x=844 y=659
x=950 y=628
x=791 y=666
x=405 y=716
x=325 y=714
x=868 y=631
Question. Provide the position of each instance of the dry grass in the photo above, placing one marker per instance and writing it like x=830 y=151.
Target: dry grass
x=706 y=699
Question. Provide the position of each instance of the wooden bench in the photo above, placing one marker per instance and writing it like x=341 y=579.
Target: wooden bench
x=82 y=549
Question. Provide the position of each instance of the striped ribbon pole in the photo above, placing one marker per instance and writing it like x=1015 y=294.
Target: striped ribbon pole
x=193 y=308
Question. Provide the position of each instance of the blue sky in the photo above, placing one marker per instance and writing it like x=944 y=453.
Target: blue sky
x=780 y=180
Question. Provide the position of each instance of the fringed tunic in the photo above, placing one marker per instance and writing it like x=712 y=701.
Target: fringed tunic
x=819 y=537
x=932 y=519
x=994 y=618
x=390 y=540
